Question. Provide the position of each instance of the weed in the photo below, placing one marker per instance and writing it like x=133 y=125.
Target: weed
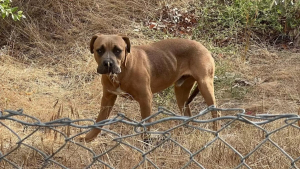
x=237 y=20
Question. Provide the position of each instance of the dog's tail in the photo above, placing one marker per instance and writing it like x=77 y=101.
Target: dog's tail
x=192 y=96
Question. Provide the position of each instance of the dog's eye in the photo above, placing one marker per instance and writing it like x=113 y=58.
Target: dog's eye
x=101 y=50
x=117 y=51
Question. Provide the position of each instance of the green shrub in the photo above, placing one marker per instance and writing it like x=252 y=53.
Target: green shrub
x=6 y=10
x=267 y=18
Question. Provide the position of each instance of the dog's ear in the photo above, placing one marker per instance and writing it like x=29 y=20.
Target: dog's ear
x=92 y=42
x=127 y=41
x=128 y=46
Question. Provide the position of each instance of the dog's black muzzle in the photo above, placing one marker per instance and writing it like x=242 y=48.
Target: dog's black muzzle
x=107 y=67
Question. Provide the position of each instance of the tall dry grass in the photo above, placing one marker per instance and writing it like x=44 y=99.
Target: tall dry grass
x=46 y=69
x=54 y=28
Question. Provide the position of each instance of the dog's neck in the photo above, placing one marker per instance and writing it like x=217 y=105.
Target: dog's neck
x=113 y=78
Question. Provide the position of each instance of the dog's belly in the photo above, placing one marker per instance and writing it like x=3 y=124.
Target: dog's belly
x=165 y=71
x=165 y=79
x=159 y=86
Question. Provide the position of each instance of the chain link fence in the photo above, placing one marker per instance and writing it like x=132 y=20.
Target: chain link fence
x=244 y=141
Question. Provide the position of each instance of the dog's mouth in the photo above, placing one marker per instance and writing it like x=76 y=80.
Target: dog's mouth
x=108 y=70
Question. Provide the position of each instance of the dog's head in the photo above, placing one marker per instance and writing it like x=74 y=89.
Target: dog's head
x=110 y=52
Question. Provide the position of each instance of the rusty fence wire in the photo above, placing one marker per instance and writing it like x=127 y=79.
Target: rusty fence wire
x=213 y=149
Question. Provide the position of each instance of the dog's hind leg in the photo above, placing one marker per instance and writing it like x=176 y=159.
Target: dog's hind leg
x=182 y=93
x=206 y=87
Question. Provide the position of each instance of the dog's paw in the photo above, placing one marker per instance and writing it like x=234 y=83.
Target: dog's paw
x=86 y=139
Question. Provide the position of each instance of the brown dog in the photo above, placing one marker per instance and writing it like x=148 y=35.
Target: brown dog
x=141 y=71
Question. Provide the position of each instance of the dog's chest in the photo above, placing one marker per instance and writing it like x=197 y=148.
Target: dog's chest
x=117 y=91
x=117 y=88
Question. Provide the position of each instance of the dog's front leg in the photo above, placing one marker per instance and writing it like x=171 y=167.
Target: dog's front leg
x=145 y=101
x=107 y=103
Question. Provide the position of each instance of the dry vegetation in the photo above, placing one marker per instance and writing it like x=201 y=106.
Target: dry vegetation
x=47 y=70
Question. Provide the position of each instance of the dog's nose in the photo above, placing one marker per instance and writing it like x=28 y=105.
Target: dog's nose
x=107 y=63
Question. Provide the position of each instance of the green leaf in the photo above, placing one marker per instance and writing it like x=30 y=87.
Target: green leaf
x=3 y=15
x=279 y=11
x=1 y=9
x=20 y=14
x=14 y=17
x=14 y=9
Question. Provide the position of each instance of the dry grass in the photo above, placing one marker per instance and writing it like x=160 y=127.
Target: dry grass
x=46 y=69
